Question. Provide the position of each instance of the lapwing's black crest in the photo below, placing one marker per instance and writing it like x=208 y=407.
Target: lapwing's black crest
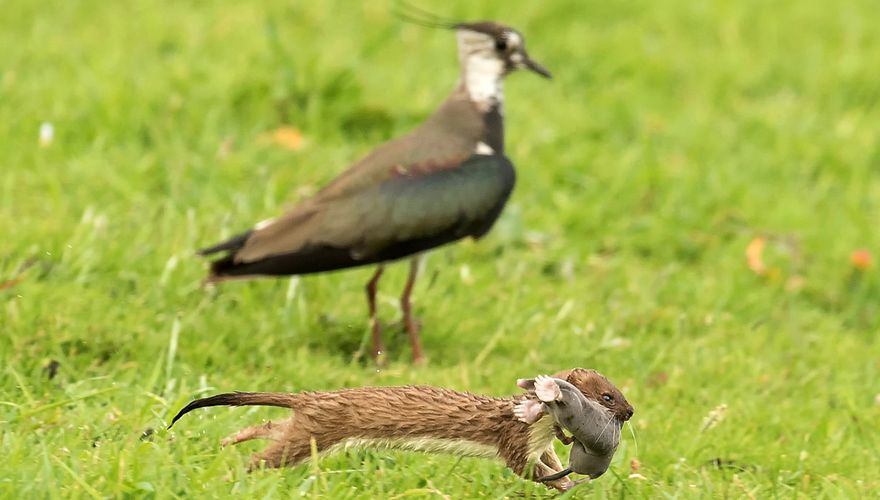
x=509 y=43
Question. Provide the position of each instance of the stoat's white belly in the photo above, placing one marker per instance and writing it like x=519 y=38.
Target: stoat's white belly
x=426 y=444
x=541 y=435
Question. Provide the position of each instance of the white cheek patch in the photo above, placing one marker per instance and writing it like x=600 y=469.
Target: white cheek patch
x=482 y=68
x=483 y=79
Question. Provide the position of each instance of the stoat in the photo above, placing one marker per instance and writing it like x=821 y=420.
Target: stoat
x=419 y=418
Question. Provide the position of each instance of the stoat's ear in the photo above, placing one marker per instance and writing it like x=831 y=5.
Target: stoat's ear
x=547 y=389
x=564 y=375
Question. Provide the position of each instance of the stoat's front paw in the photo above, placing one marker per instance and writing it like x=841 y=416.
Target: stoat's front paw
x=528 y=411
x=546 y=389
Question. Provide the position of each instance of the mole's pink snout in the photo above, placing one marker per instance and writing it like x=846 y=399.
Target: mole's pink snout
x=526 y=384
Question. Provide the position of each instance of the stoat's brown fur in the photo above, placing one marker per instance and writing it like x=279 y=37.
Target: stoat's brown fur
x=422 y=418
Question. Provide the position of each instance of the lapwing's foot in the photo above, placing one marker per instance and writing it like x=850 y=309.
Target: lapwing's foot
x=413 y=328
x=380 y=358
x=380 y=355
x=419 y=360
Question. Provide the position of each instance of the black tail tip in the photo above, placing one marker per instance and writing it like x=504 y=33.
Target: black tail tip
x=226 y=399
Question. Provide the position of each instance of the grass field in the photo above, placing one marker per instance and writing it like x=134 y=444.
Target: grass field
x=673 y=137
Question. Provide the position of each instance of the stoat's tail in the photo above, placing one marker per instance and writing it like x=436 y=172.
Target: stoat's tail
x=280 y=399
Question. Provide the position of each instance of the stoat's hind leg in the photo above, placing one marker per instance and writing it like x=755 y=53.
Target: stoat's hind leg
x=291 y=446
x=264 y=431
x=278 y=455
x=550 y=464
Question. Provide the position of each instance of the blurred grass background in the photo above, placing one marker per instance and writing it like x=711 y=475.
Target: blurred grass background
x=672 y=136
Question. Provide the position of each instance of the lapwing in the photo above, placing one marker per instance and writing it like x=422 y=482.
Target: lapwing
x=445 y=180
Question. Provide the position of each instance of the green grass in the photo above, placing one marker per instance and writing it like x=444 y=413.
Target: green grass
x=672 y=135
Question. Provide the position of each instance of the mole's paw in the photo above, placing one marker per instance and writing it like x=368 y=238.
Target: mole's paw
x=528 y=411
x=546 y=389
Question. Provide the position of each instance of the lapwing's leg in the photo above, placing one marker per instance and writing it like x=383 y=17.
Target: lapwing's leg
x=372 y=286
x=412 y=327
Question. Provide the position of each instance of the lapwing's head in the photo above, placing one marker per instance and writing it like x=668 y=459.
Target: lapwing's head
x=487 y=52
x=493 y=49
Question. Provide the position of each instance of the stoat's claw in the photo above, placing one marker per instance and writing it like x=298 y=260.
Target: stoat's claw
x=546 y=389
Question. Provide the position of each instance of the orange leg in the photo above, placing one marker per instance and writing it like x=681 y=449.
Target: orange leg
x=372 y=286
x=412 y=327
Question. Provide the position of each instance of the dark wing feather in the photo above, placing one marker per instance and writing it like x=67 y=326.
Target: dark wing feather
x=233 y=243
x=414 y=210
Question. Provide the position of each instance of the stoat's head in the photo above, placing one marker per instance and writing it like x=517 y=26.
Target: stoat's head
x=600 y=390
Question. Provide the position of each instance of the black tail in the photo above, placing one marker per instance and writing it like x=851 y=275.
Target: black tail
x=280 y=400
x=233 y=244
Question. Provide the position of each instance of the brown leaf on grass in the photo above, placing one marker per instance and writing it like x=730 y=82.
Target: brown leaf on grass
x=860 y=259
x=657 y=379
x=285 y=136
x=755 y=253
x=635 y=465
x=9 y=283
x=795 y=283
x=225 y=148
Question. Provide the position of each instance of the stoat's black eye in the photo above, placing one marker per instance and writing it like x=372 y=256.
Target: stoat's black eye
x=608 y=398
x=500 y=44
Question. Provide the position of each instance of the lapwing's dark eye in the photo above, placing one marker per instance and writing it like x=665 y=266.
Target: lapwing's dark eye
x=608 y=398
x=501 y=44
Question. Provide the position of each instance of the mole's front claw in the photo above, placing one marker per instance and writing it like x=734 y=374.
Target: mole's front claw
x=546 y=389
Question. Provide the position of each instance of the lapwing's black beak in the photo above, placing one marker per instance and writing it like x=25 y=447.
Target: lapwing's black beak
x=530 y=63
